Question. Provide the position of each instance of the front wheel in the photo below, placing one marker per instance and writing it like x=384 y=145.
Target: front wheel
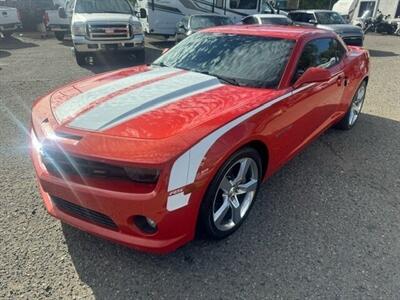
x=80 y=58
x=351 y=117
x=231 y=194
x=59 y=35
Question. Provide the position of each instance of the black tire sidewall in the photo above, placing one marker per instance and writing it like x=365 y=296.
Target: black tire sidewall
x=206 y=209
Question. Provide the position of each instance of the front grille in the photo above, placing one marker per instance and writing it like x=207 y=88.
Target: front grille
x=60 y=164
x=84 y=213
x=353 y=41
x=120 y=31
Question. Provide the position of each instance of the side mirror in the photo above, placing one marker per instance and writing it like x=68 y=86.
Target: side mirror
x=312 y=75
x=143 y=13
x=165 y=50
x=61 y=13
x=314 y=22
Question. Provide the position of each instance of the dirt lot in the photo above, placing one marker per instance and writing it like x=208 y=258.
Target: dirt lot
x=326 y=226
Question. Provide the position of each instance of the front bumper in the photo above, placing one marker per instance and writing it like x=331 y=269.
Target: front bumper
x=175 y=228
x=83 y=44
x=10 y=27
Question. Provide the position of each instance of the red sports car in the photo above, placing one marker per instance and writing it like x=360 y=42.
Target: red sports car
x=143 y=156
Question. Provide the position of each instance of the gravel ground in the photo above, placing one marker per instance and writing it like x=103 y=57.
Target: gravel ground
x=326 y=226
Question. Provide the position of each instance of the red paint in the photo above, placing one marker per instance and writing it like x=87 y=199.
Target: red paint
x=157 y=138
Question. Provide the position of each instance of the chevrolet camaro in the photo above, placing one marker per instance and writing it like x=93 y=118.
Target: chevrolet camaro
x=145 y=156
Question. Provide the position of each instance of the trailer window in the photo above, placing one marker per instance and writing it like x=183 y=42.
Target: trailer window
x=243 y=4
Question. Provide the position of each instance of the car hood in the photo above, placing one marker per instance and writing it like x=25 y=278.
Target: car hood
x=342 y=28
x=152 y=103
x=103 y=18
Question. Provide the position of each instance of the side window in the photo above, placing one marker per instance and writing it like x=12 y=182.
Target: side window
x=249 y=20
x=322 y=53
x=302 y=17
x=219 y=3
x=243 y=4
x=185 y=22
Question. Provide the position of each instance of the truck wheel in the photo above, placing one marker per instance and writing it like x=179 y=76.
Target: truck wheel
x=80 y=58
x=140 y=55
x=59 y=35
x=7 y=35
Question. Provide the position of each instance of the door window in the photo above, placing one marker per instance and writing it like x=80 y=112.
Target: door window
x=249 y=20
x=302 y=17
x=322 y=53
x=366 y=6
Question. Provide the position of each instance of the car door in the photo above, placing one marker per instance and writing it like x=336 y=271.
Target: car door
x=312 y=107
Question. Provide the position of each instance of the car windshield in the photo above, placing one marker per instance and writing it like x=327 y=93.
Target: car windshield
x=201 y=22
x=329 y=18
x=103 y=6
x=276 y=21
x=242 y=60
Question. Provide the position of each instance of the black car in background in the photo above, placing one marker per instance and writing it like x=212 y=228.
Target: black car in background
x=330 y=20
x=190 y=24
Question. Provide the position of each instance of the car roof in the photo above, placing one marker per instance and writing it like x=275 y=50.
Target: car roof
x=311 y=11
x=276 y=31
x=276 y=16
x=208 y=15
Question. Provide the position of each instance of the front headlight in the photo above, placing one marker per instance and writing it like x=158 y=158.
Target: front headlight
x=78 y=28
x=136 y=27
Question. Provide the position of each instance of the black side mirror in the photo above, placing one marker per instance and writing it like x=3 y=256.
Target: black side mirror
x=61 y=13
x=143 y=13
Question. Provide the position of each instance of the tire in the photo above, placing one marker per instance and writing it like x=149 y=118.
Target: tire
x=223 y=209
x=7 y=34
x=140 y=55
x=80 y=58
x=354 y=111
x=59 y=35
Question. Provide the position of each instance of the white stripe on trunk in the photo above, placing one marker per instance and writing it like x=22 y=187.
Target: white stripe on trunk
x=141 y=100
x=77 y=103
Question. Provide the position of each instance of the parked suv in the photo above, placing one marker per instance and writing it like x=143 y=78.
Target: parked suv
x=330 y=20
x=103 y=26
x=9 y=20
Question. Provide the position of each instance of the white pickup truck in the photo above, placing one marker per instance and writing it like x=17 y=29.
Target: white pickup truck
x=9 y=21
x=58 y=25
x=103 y=26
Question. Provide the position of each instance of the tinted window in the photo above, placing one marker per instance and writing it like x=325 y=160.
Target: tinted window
x=249 y=20
x=329 y=18
x=323 y=53
x=200 y=22
x=276 y=21
x=243 y=4
x=367 y=8
x=302 y=17
x=249 y=60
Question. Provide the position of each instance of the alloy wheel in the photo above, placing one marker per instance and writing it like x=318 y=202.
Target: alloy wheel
x=235 y=194
x=357 y=104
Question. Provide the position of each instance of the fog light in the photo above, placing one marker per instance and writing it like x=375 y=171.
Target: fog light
x=145 y=224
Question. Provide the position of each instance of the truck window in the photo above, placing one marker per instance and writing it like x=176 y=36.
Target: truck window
x=366 y=6
x=243 y=4
x=302 y=17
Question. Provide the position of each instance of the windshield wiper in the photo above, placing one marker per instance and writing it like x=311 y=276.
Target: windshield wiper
x=228 y=80
x=160 y=64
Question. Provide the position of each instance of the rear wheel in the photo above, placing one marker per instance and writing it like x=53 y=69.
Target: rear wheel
x=59 y=35
x=7 y=34
x=231 y=194
x=351 y=117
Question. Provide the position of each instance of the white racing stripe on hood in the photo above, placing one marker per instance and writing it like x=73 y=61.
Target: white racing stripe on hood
x=141 y=100
x=77 y=103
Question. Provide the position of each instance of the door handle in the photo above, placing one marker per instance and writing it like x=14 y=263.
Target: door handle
x=339 y=80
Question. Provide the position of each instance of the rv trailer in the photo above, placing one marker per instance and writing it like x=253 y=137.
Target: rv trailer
x=161 y=16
